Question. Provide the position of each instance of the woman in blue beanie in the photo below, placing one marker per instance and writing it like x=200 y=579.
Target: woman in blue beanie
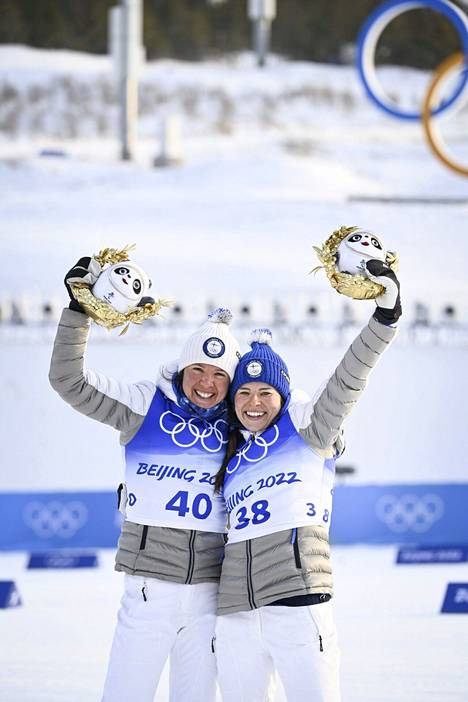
x=274 y=607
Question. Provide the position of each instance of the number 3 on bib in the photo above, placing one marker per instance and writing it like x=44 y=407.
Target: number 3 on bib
x=201 y=505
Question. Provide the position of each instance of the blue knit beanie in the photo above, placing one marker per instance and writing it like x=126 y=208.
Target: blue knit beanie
x=262 y=365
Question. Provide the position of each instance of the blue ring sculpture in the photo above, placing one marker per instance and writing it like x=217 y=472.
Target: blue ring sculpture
x=370 y=34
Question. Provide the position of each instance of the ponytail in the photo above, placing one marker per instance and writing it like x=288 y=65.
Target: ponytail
x=234 y=441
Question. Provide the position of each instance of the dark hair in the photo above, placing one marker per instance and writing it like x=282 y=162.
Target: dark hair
x=178 y=379
x=235 y=439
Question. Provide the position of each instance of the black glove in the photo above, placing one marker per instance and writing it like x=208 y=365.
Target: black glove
x=86 y=270
x=388 y=309
x=146 y=301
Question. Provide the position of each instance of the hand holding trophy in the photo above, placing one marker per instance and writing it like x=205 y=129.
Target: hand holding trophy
x=344 y=256
x=111 y=289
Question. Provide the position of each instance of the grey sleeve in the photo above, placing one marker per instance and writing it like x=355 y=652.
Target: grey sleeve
x=320 y=423
x=104 y=399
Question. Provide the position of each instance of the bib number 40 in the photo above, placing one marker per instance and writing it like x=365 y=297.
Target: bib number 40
x=201 y=506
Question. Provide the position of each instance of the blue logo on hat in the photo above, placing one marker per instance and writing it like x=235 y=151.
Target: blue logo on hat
x=214 y=347
x=254 y=369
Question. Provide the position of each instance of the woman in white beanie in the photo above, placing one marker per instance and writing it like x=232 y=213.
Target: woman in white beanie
x=174 y=434
x=277 y=480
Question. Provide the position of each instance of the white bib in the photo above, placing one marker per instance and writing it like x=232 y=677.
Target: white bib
x=170 y=469
x=276 y=482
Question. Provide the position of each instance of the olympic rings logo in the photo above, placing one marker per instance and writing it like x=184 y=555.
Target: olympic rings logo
x=186 y=433
x=62 y=519
x=366 y=47
x=254 y=450
x=409 y=512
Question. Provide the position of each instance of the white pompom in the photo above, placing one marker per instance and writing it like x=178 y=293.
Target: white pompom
x=221 y=314
x=260 y=336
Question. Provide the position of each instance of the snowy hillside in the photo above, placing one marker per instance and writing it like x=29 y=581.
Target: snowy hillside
x=65 y=94
x=293 y=161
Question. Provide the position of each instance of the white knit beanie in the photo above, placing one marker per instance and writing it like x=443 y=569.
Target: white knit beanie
x=212 y=343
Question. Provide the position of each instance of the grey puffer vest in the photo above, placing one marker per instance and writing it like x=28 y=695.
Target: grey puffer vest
x=176 y=555
x=285 y=564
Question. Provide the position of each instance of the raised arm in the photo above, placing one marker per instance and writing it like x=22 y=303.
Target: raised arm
x=120 y=405
x=320 y=423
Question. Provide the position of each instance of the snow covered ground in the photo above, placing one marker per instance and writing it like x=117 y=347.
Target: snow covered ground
x=396 y=647
x=236 y=222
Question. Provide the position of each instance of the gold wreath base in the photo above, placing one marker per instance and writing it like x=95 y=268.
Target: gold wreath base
x=357 y=286
x=101 y=311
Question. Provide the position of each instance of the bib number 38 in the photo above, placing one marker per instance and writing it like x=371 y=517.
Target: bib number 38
x=201 y=506
x=259 y=514
x=312 y=511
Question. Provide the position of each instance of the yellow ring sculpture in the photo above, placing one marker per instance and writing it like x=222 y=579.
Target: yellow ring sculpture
x=432 y=133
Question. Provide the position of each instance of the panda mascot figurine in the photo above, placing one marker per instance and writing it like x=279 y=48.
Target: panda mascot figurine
x=356 y=249
x=124 y=286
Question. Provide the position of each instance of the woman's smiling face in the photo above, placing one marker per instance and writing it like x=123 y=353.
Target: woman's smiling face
x=205 y=385
x=257 y=405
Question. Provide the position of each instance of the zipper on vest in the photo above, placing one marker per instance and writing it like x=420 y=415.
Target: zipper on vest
x=143 y=538
x=191 y=564
x=297 y=554
x=249 y=575
x=119 y=495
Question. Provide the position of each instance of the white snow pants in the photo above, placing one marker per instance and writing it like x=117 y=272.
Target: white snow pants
x=251 y=645
x=175 y=621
